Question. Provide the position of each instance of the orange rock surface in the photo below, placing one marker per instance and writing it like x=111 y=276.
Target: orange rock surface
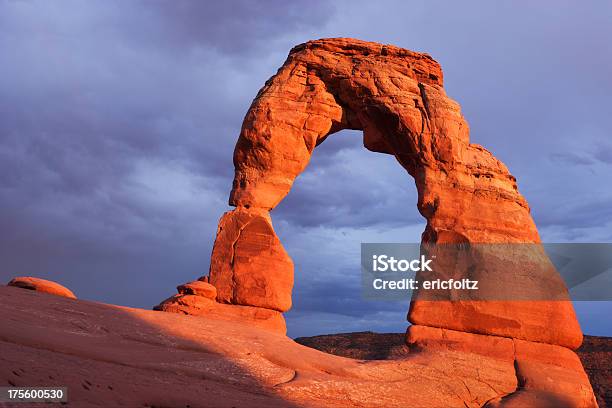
x=396 y=97
x=198 y=288
x=249 y=266
x=41 y=285
x=547 y=375
x=201 y=306
x=112 y=356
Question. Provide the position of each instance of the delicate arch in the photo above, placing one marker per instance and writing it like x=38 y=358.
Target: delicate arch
x=397 y=98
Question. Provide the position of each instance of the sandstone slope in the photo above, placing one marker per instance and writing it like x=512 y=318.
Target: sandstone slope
x=116 y=356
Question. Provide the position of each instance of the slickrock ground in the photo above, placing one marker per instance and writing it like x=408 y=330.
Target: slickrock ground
x=117 y=356
x=595 y=354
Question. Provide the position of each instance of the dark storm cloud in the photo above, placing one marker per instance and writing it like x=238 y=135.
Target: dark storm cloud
x=599 y=152
x=337 y=294
x=235 y=27
x=579 y=215
x=238 y=27
x=572 y=158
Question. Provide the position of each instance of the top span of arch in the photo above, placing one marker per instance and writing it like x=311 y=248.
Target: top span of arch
x=395 y=96
x=419 y=65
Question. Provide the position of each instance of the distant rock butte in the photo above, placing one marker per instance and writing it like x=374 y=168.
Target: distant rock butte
x=41 y=285
x=396 y=97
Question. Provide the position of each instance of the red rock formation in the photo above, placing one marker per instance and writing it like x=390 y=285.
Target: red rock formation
x=198 y=298
x=249 y=266
x=396 y=97
x=547 y=375
x=41 y=285
x=595 y=354
x=198 y=288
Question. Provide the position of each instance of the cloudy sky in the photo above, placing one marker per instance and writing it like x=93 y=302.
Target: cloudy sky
x=118 y=121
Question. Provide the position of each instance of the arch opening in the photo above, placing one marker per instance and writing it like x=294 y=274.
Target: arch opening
x=347 y=195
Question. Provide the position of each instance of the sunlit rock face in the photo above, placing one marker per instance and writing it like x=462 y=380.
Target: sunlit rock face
x=396 y=97
x=41 y=285
x=249 y=266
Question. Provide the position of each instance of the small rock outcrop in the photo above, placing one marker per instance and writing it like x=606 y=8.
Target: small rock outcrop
x=198 y=298
x=198 y=288
x=41 y=285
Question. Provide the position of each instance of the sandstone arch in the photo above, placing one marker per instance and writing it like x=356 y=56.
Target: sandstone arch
x=397 y=98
